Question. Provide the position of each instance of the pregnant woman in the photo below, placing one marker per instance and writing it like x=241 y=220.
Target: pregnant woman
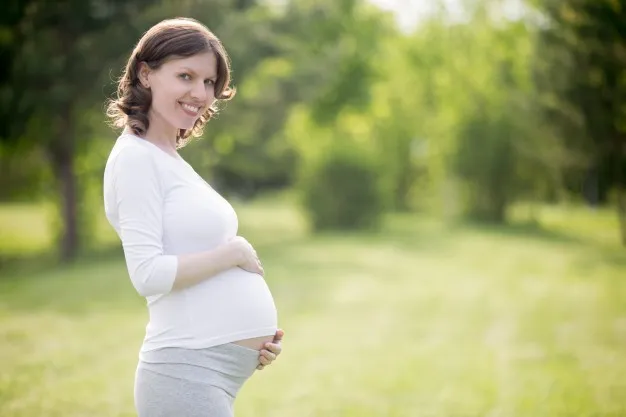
x=212 y=318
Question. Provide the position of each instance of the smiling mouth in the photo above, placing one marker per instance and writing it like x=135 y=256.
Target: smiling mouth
x=190 y=109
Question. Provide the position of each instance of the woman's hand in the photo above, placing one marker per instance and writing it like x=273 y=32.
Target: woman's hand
x=249 y=258
x=271 y=351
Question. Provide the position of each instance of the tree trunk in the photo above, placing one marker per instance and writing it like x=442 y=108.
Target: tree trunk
x=62 y=156
x=620 y=181
x=621 y=211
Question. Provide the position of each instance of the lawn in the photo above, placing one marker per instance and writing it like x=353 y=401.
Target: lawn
x=422 y=319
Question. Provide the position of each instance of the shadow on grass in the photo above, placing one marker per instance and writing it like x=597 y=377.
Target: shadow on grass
x=591 y=256
x=32 y=264
x=404 y=231
x=615 y=258
x=41 y=282
x=97 y=281
x=529 y=230
x=300 y=266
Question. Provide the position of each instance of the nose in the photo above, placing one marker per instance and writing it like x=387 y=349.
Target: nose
x=199 y=92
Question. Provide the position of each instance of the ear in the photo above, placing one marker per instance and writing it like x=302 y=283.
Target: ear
x=143 y=73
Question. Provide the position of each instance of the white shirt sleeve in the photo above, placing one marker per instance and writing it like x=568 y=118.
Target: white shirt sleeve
x=139 y=200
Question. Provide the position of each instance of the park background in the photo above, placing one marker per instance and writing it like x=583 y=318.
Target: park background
x=436 y=190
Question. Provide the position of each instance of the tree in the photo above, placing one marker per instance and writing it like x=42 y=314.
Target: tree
x=50 y=74
x=581 y=68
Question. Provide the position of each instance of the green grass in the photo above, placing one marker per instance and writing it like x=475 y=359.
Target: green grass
x=598 y=226
x=419 y=320
x=24 y=228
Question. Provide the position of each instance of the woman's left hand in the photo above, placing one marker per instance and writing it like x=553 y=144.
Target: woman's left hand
x=271 y=351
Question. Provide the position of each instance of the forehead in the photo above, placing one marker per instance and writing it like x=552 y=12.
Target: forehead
x=204 y=63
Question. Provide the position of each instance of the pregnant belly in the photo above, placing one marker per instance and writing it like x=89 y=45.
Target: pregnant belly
x=256 y=343
x=236 y=303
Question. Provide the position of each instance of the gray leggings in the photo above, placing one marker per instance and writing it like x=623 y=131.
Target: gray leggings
x=176 y=382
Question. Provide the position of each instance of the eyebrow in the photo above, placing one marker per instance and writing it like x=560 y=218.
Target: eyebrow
x=211 y=77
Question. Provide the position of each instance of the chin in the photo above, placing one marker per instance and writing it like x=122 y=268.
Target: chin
x=186 y=126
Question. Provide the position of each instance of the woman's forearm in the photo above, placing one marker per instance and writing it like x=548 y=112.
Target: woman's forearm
x=196 y=267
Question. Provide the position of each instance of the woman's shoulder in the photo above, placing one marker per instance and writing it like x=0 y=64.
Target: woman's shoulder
x=130 y=160
x=129 y=152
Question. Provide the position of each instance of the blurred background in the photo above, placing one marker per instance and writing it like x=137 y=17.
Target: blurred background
x=436 y=189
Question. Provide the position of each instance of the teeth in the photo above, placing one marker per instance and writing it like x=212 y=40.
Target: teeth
x=191 y=108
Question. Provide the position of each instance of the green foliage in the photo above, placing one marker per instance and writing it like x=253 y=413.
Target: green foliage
x=58 y=53
x=486 y=162
x=20 y=174
x=399 y=116
x=456 y=100
x=579 y=67
x=469 y=117
x=322 y=53
x=342 y=190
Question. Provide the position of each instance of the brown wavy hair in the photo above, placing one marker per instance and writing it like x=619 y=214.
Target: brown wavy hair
x=171 y=38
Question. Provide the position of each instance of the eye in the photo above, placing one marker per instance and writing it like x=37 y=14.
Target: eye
x=209 y=82
x=185 y=76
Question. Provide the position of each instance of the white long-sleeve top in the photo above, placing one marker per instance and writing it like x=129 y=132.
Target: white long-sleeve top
x=161 y=208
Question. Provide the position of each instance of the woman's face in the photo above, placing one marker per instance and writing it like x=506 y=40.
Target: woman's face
x=182 y=89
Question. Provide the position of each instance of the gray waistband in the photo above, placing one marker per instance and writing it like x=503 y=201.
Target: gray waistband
x=227 y=366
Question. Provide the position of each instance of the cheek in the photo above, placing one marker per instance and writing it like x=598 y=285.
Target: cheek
x=165 y=100
x=211 y=95
x=167 y=93
x=160 y=97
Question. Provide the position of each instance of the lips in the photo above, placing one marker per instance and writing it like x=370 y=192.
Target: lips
x=190 y=109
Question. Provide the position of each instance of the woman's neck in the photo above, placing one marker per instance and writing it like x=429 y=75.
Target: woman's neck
x=162 y=134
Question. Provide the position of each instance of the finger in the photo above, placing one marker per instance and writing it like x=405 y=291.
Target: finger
x=275 y=348
x=264 y=361
x=278 y=337
x=260 y=367
x=269 y=355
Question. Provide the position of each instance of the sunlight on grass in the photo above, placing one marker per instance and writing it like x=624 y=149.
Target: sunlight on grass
x=23 y=228
x=419 y=320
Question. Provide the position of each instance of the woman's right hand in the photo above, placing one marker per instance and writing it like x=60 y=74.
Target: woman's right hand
x=249 y=258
